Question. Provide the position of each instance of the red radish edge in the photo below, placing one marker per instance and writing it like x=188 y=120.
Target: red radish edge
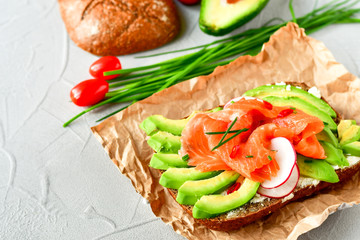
x=274 y=192
x=286 y=159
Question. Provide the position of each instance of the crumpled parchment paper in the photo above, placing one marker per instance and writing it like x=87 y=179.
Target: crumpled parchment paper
x=289 y=56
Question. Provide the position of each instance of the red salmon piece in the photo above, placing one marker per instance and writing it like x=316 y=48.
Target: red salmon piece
x=248 y=153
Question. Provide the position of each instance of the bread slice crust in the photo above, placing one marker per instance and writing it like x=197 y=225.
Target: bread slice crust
x=256 y=211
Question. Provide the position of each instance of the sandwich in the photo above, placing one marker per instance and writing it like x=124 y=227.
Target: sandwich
x=237 y=163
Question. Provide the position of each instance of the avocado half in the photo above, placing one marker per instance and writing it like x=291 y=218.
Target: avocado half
x=219 y=17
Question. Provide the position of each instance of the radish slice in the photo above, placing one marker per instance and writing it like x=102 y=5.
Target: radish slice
x=284 y=189
x=286 y=159
x=237 y=99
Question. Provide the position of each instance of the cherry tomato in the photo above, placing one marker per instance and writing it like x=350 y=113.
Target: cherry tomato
x=105 y=64
x=89 y=92
x=189 y=2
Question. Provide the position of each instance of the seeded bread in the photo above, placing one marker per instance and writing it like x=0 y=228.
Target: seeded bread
x=119 y=27
x=253 y=211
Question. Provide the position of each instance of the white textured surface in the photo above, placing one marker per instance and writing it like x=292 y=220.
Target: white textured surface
x=58 y=183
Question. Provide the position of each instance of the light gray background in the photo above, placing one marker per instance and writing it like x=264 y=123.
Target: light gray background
x=58 y=183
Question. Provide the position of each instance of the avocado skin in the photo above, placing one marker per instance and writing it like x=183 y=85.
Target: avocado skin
x=304 y=106
x=191 y=191
x=237 y=22
x=175 y=177
x=352 y=148
x=334 y=156
x=213 y=205
x=317 y=169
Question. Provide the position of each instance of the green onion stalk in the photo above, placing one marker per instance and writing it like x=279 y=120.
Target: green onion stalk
x=135 y=84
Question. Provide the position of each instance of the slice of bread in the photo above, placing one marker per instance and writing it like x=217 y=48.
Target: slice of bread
x=255 y=210
x=251 y=212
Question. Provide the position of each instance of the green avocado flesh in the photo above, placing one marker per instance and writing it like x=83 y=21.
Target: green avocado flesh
x=344 y=125
x=304 y=106
x=164 y=142
x=217 y=17
x=352 y=148
x=164 y=161
x=213 y=205
x=191 y=191
x=352 y=134
x=291 y=91
x=156 y=123
x=327 y=135
x=317 y=169
x=334 y=156
x=175 y=177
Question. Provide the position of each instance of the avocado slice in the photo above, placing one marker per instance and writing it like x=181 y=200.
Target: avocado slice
x=327 y=135
x=213 y=205
x=156 y=123
x=334 y=156
x=344 y=125
x=290 y=91
x=352 y=134
x=175 y=177
x=215 y=109
x=191 y=191
x=304 y=106
x=164 y=161
x=317 y=169
x=218 y=17
x=352 y=148
x=158 y=164
x=164 y=142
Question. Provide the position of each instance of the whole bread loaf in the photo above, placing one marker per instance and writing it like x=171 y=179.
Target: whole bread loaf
x=119 y=27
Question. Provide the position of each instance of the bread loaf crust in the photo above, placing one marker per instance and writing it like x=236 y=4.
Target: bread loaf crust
x=119 y=27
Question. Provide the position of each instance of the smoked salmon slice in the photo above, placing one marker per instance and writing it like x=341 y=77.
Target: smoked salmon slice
x=248 y=153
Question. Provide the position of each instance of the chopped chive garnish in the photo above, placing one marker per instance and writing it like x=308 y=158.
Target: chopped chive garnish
x=185 y=157
x=249 y=156
x=214 y=133
x=222 y=143
x=294 y=110
x=232 y=102
x=269 y=157
x=226 y=132
x=308 y=161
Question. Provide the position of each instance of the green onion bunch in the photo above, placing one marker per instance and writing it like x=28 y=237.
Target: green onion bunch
x=135 y=84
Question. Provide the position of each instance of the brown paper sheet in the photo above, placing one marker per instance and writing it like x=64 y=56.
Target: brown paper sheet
x=289 y=56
